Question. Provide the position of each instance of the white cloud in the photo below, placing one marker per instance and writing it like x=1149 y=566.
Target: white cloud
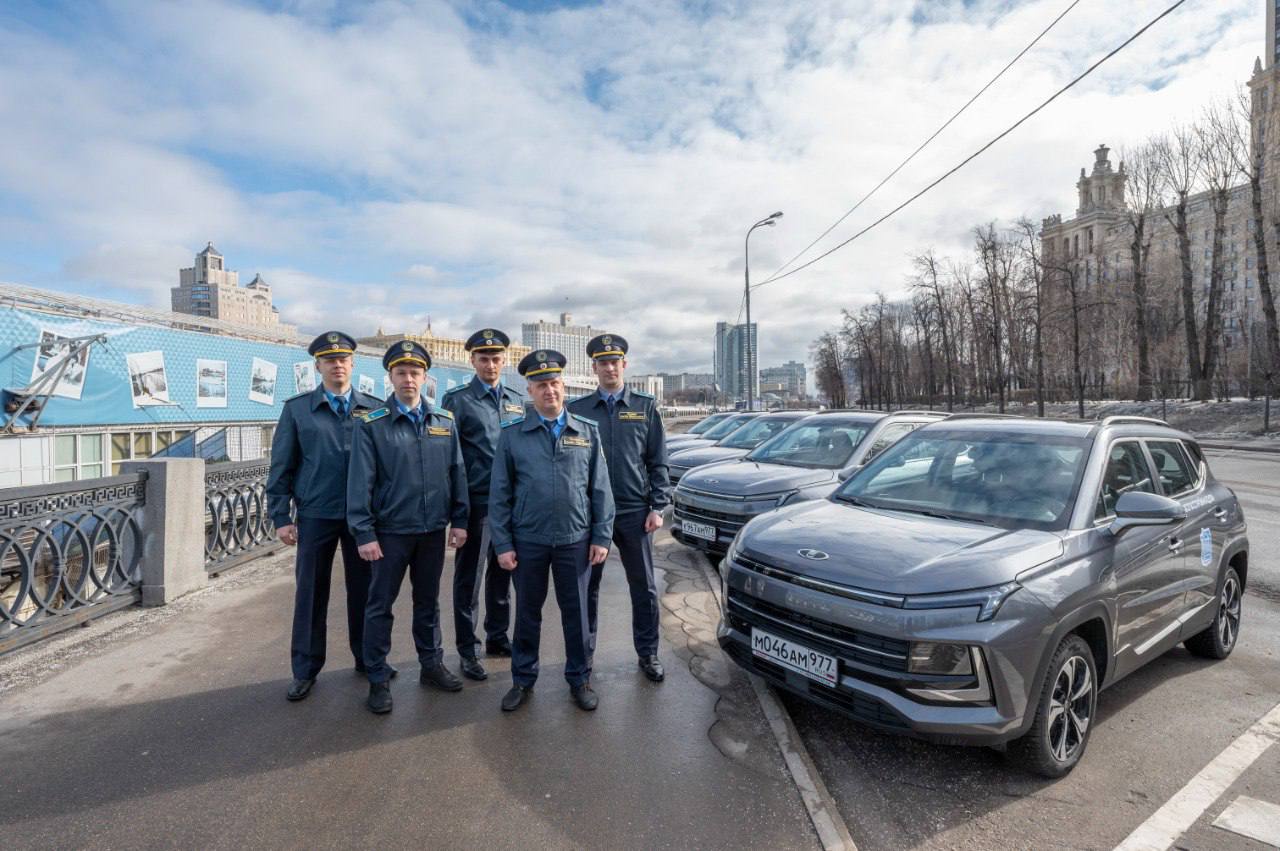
x=457 y=168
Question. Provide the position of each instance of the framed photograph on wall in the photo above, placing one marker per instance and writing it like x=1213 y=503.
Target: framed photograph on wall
x=262 y=382
x=211 y=383
x=148 y=382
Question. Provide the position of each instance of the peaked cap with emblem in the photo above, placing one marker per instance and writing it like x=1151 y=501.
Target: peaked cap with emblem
x=406 y=351
x=607 y=347
x=488 y=340
x=332 y=344
x=541 y=364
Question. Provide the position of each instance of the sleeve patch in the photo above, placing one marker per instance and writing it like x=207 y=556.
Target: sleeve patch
x=378 y=414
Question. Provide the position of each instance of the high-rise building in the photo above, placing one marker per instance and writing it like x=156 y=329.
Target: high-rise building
x=210 y=289
x=566 y=338
x=735 y=360
x=789 y=378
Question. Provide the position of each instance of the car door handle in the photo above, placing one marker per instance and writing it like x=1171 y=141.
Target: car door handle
x=1220 y=513
x=1175 y=544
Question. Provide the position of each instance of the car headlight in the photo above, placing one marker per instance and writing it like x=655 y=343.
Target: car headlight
x=929 y=657
x=988 y=600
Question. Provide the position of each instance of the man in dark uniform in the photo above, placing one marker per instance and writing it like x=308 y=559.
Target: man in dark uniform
x=550 y=513
x=636 y=448
x=479 y=409
x=406 y=484
x=309 y=454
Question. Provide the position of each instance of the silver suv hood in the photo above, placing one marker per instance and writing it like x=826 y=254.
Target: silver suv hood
x=697 y=456
x=751 y=478
x=894 y=552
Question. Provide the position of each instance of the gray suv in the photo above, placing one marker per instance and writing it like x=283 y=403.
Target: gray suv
x=683 y=458
x=807 y=460
x=982 y=579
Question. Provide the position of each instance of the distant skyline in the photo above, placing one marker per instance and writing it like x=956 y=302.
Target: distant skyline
x=490 y=164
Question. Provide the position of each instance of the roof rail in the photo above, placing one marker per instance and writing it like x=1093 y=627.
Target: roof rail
x=1120 y=419
x=921 y=413
x=974 y=415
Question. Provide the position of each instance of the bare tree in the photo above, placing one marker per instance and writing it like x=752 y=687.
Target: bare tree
x=828 y=368
x=1219 y=156
x=927 y=280
x=1255 y=160
x=1034 y=274
x=1180 y=169
x=1143 y=200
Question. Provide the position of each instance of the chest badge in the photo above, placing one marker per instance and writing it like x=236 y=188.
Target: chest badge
x=570 y=440
x=513 y=409
x=631 y=416
x=438 y=431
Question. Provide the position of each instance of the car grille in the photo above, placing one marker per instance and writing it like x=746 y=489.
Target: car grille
x=865 y=648
x=859 y=706
x=730 y=522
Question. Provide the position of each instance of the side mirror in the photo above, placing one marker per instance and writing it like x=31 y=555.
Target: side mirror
x=1146 y=509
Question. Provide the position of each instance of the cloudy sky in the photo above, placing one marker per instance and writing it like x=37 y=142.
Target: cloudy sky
x=488 y=163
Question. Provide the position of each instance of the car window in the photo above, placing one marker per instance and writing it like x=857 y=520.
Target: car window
x=813 y=444
x=1009 y=479
x=1172 y=466
x=1197 y=460
x=891 y=435
x=708 y=423
x=755 y=433
x=728 y=427
x=1127 y=470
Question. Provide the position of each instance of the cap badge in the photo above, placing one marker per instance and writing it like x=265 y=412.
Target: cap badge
x=332 y=338
x=407 y=346
x=488 y=333
x=540 y=356
x=607 y=340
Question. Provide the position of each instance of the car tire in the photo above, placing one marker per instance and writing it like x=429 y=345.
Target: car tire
x=1064 y=712
x=1218 y=639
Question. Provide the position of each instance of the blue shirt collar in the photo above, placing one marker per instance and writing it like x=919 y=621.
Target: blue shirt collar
x=329 y=397
x=404 y=411
x=560 y=420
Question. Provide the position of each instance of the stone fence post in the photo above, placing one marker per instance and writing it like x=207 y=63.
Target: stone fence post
x=172 y=528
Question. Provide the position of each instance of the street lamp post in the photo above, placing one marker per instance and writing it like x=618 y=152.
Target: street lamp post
x=746 y=294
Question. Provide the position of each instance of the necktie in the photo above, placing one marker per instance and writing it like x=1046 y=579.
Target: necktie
x=416 y=416
x=340 y=405
x=612 y=402
x=497 y=395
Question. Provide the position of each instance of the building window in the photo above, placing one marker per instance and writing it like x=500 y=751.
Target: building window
x=77 y=456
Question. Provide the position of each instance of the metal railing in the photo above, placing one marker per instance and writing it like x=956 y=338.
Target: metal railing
x=237 y=523
x=68 y=552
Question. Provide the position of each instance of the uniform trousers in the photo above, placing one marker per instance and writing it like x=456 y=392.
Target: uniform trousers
x=636 y=551
x=568 y=569
x=423 y=556
x=467 y=570
x=317 y=543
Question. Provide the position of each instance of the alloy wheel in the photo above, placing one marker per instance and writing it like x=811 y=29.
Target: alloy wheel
x=1070 y=709
x=1229 y=613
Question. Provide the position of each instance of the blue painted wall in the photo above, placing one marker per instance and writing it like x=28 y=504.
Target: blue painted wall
x=106 y=397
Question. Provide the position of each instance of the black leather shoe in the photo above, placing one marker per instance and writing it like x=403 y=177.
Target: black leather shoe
x=584 y=697
x=362 y=670
x=472 y=669
x=379 y=701
x=652 y=668
x=298 y=689
x=500 y=647
x=515 y=697
x=440 y=677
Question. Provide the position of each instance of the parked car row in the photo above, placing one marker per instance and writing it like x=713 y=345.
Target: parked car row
x=967 y=579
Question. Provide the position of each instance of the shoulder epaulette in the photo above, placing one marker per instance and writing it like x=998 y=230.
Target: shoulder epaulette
x=376 y=414
x=584 y=420
x=301 y=395
x=453 y=390
x=510 y=423
x=643 y=394
x=443 y=412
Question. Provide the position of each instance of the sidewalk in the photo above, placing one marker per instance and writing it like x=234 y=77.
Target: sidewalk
x=170 y=728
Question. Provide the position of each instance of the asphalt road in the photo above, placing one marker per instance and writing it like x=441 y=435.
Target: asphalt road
x=1157 y=729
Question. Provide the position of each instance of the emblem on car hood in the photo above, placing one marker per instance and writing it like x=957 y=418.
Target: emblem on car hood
x=813 y=555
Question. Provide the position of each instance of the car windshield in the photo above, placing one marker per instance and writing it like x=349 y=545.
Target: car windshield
x=813 y=443
x=728 y=427
x=1012 y=479
x=756 y=432
x=708 y=423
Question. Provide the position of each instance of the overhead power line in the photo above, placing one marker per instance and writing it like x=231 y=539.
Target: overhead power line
x=926 y=142
x=976 y=153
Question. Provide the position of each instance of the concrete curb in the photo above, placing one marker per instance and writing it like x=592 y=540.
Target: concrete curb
x=818 y=803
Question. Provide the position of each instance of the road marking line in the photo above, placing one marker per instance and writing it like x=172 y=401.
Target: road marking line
x=1250 y=817
x=1182 y=811
x=825 y=816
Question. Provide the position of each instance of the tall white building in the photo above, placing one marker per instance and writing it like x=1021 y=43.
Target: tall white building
x=210 y=289
x=566 y=338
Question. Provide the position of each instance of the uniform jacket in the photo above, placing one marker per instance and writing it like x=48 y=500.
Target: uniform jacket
x=545 y=494
x=480 y=418
x=310 y=451
x=404 y=481
x=635 y=446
